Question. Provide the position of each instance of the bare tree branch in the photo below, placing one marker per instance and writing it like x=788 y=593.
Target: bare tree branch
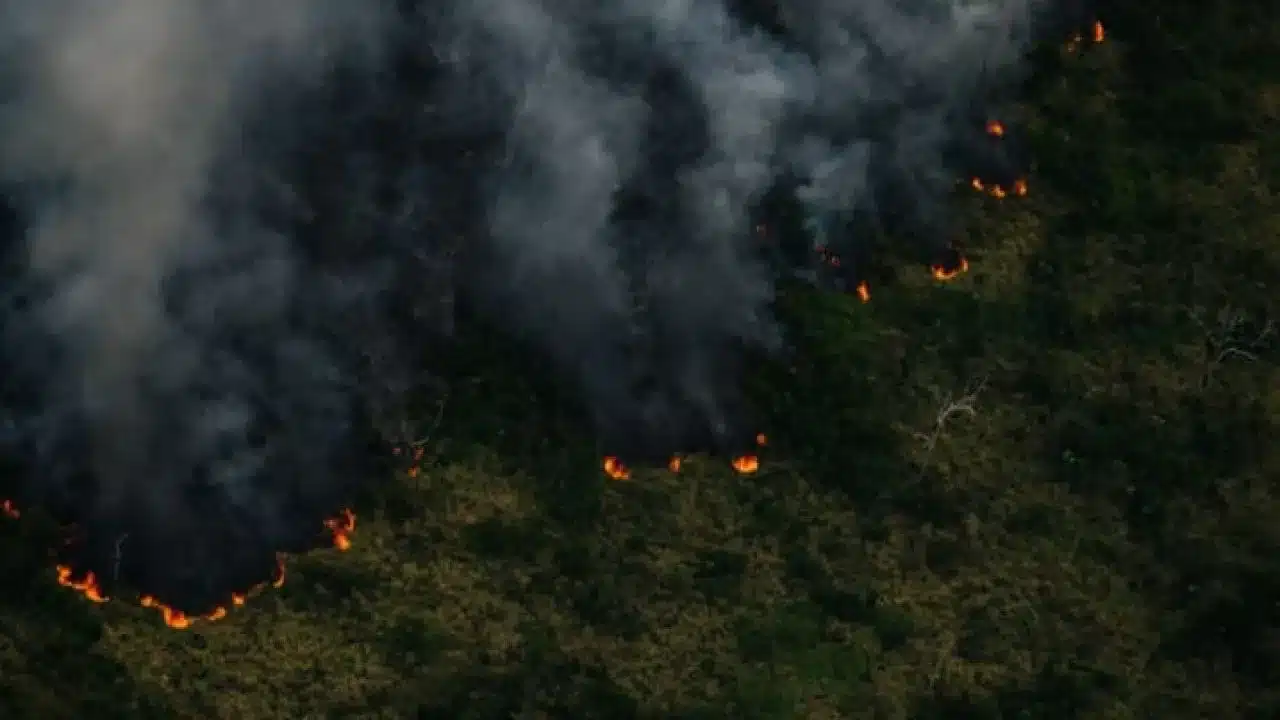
x=950 y=405
x=1228 y=336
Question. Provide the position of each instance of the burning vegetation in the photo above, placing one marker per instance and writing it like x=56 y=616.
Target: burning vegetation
x=846 y=258
x=91 y=585
x=828 y=246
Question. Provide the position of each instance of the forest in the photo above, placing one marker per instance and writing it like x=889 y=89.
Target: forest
x=1047 y=489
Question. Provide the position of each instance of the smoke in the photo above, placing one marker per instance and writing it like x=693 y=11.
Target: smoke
x=220 y=211
x=641 y=135
x=171 y=388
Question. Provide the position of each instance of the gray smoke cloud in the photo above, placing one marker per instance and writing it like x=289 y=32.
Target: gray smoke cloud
x=172 y=330
x=852 y=96
x=177 y=331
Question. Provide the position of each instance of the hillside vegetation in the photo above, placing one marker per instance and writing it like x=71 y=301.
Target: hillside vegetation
x=1049 y=489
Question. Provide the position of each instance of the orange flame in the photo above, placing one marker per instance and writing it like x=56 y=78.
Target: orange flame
x=762 y=439
x=1019 y=188
x=1097 y=34
x=943 y=274
x=175 y=619
x=864 y=293
x=995 y=128
x=9 y=509
x=614 y=468
x=87 y=585
x=341 y=527
x=675 y=463
x=746 y=464
x=278 y=580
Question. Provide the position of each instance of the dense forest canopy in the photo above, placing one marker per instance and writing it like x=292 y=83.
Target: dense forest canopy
x=1046 y=488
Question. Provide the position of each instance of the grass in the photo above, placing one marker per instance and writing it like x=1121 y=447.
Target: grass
x=1098 y=539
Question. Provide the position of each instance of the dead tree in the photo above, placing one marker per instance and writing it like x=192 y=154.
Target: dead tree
x=950 y=405
x=1230 y=335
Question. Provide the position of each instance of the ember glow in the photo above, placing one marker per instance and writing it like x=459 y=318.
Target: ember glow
x=746 y=463
x=944 y=273
x=845 y=255
x=614 y=468
x=177 y=620
x=1097 y=34
x=1018 y=189
x=88 y=585
x=749 y=464
x=415 y=455
x=174 y=619
x=342 y=526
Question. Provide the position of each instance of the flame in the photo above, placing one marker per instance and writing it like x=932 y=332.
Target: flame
x=278 y=580
x=9 y=509
x=746 y=464
x=995 y=128
x=87 y=585
x=414 y=467
x=1019 y=188
x=675 y=463
x=342 y=526
x=614 y=468
x=1097 y=34
x=864 y=293
x=175 y=619
x=944 y=274
x=178 y=620
x=762 y=439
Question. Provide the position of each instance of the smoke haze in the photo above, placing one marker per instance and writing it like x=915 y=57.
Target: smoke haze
x=177 y=373
x=215 y=203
